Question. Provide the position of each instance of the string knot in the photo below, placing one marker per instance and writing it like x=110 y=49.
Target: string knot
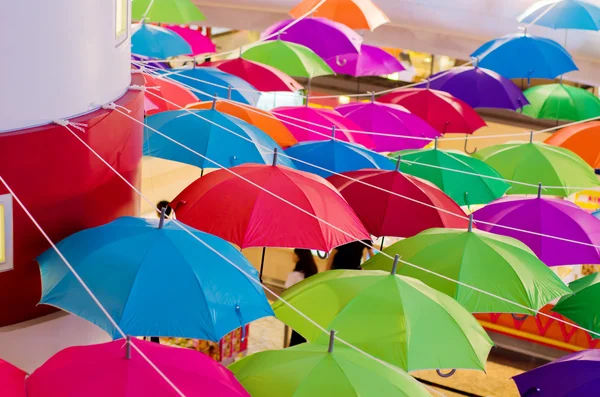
x=114 y=106
x=141 y=70
x=66 y=123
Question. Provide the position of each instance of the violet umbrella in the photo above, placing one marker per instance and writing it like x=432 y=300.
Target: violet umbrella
x=370 y=61
x=199 y=42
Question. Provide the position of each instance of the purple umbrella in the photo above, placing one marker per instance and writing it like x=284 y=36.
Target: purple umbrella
x=370 y=61
x=326 y=38
x=574 y=375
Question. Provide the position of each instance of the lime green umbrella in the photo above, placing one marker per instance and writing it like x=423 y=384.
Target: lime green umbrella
x=561 y=102
x=397 y=319
x=310 y=370
x=560 y=171
x=583 y=307
x=181 y=12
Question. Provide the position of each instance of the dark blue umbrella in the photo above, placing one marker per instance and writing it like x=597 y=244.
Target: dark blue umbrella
x=156 y=42
x=563 y=14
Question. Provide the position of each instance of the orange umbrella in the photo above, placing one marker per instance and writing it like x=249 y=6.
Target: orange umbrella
x=257 y=117
x=356 y=14
x=582 y=139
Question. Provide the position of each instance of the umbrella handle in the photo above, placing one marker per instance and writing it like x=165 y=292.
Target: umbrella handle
x=465 y=148
x=532 y=392
x=445 y=375
x=337 y=61
x=519 y=318
x=323 y=256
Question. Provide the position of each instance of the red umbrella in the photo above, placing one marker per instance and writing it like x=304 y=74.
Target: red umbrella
x=12 y=380
x=171 y=91
x=200 y=43
x=441 y=110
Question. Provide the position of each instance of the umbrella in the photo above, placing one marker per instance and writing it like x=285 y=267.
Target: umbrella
x=559 y=14
x=148 y=62
x=538 y=57
x=389 y=120
x=118 y=369
x=397 y=319
x=310 y=370
x=478 y=87
x=441 y=110
x=325 y=37
x=465 y=179
x=545 y=216
x=261 y=119
x=561 y=102
x=356 y=14
x=560 y=170
x=499 y=265
x=596 y=214
x=220 y=137
x=413 y=206
x=154 y=279
x=166 y=11
x=12 y=380
x=370 y=61
x=335 y=156
x=200 y=43
x=167 y=89
x=582 y=307
x=292 y=59
x=156 y=42
x=313 y=124
x=582 y=139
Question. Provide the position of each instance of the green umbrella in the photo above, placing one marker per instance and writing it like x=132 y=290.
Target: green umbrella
x=561 y=102
x=583 y=307
x=310 y=370
x=181 y=12
x=465 y=182
x=535 y=163
x=397 y=319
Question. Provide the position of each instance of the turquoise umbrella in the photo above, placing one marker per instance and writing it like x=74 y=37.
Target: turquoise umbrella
x=156 y=42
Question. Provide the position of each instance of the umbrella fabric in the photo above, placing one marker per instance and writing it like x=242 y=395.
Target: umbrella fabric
x=208 y=132
x=182 y=12
x=479 y=88
x=336 y=156
x=596 y=214
x=534 y=163
x=559 y=14
x=147 y=62
x=397 y=319
x=549 y=216
x=261 y=119
x=290 y=58
x=312 y=124
x=102 y=370
x=309 y=370
x=499 y=265
x=561 y=102
x=582 y=307
x=154 y=281
x=325 y=37
x=582 y=139
x=538 y=57
x=356 y=14
x=12 y=380
x=170 y=91
x=223 y=204
x=370 y=61
x=389 y=119
x=461 y=177
x=200 y=43
x=156 y=42
x=387 y=214
x=439 y=109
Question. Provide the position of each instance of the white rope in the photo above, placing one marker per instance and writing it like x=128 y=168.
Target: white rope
x=79 y=126
x=114 y=106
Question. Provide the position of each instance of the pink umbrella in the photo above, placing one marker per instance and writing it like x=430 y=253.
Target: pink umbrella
x=200 y=43
x=370 y=61
x=117 y=369
x=12 y=380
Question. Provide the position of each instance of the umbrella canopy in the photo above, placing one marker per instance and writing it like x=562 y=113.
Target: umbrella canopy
x=441 y=110
x=200 y=43
x=582 y=139
x=397 y=319
x=538 y=57
x=356 y=14
x=369 y=61
x=103 y=370
x=12 y=380
x=336 y=156
x=154 y=279
x=478 y=87
x=499 y=265
x=561 y=14
x=181 y=12
x=156 y=42
x=203 y=131
x=223 y=204
x=465 y=179
x=582 y=307
x=561 y=102
x=534 y=163
x=389 y=120
x=259 y=118
x=381 y=211
x=167 y=89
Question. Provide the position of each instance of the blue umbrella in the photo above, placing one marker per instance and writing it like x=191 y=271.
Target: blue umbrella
x=524 y=56
x=207 y=136
x=336 y=156
x=563 y=14
x=596 y=214
x=156 y=42
x=154 y=280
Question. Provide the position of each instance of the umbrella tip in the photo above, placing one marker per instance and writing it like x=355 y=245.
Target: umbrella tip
x=331 y=341
x=539 y=190
x=530 y=136
x=128 y=347
x=333 y=131
x=395 y=264
x=372 y=96
x=163 y=212
x=435 y=143
x=229 y=92
x=274 y=157
x=398 y=161
x=470 y=223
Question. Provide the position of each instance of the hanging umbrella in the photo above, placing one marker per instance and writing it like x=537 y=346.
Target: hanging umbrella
x=397 y=319
x=156 y=42
x=369 y=61
x=582 y=139
x=199 y=43
x=356 y=14
x=582 y=307
x=422 y=206
x=560 y=170
x=441 y=110
x=12 y=380
x=148 y=62
x=261 y=119
x=561 y=102
x=538 y=57
x=310 y=370
x=389 y=120
x=181 y=12
x=596 y=214
x=478 y=87
x=153 y=278
x=167 y=89
x=220 y=137
x=118 y=369
x=561 y=14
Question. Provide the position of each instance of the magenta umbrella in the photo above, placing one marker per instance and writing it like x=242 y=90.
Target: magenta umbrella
x=370 y=61
x=12 y=380
x=200 y=43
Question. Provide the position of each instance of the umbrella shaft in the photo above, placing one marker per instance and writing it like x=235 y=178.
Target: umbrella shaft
x=262 y=263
